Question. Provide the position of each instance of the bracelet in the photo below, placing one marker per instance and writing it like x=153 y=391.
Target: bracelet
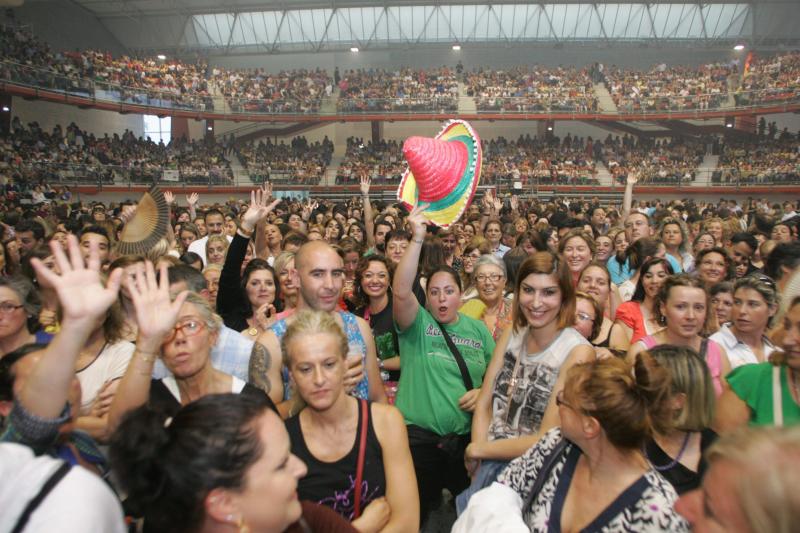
x=244 y=233
x=152 y=356
x=420 y=241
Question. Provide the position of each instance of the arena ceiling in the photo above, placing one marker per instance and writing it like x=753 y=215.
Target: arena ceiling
x=242 y=26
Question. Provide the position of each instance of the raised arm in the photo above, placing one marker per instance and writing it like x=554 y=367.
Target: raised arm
x=156 y=315
x=191 y=200
x=627 y=198
x=404 y=304
x=366 y=212
x=84 y=301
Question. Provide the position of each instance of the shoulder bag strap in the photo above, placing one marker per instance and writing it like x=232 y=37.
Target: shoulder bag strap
x=777 y=398
x=48 y=486
x=462 y=365
x=362 y=450
x=544 y=473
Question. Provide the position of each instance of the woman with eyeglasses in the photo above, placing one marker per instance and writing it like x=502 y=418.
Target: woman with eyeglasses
x=477 y=247
x=767 y=393
x=589 y=473
x=682 y=308
x=180 y=332
x=491 y=306
x=703 y=241
x=755 y=302
x=516 y=405
x=19 y=310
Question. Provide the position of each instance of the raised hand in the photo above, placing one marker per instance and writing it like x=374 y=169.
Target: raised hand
x=514 y=203
x=417 y=221
x=365 y=183
x=192 y=199
x=632 y=178
x=156 y=313
x=128 y=212
x=83 y=296
x=258 y=209
x=169 y=197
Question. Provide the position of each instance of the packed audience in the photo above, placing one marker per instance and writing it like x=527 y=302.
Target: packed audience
x=149 y=81
x=31 y=155
x=669 y=87
x=549 y=160
x=405 y=89
x=620 y=350
x=382 y=162
x=673 y=161
x=764 y=162
x=532 y=89
x=257 y=91
x=770 y=80
x=298 y=162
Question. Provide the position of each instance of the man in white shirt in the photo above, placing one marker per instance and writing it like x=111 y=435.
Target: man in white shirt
x=215 y=224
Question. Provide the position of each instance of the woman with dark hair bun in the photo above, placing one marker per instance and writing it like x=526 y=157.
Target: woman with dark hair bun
x=589 y=474
x=222 y=463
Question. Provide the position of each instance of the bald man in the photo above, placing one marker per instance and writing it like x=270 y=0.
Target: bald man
x=319 y=275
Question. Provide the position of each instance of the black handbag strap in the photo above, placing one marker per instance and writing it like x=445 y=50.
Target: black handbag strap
x=544 y=472
x=462 y=365
x=48 y=486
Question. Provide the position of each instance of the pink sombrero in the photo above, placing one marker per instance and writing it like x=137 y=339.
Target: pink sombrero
x=443 y=172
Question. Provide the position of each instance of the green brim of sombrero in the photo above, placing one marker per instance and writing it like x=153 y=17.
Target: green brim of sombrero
x=447 y=210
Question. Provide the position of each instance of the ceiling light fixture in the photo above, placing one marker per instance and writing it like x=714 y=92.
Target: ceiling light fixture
x=354 y=49
x=456 y=47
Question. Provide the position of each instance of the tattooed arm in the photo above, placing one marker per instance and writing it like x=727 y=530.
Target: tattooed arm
x=265 y=369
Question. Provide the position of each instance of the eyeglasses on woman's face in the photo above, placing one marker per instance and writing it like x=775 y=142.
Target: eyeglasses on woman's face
x=7 y=308
x=188 y=326
x=494 y=277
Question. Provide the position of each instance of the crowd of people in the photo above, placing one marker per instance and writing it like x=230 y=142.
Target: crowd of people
x=765 y=161
x=300 y=365
x=192 y=83
x=382 y=162
x=770 y=80
x=532 y=89
x=548 y=160
x=257 y=91
x=404 y=89
x=669 y=161
x=298 y=162
x=150 y=81
x=666 y=87
x=32 y=156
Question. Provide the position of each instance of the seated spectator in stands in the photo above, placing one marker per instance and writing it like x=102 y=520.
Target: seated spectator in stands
x=30 y=234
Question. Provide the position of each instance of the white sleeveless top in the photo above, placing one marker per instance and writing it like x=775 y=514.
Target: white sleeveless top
x=522 y=390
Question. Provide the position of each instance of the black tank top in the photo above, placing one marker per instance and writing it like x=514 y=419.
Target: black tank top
x=332 y=484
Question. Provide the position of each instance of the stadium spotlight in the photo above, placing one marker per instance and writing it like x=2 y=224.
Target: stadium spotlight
x=354 y=49
x=6 y=109
x=729 y=123
x=210 y=128
x=739 y=47
x=456 y=47
x=162 y=57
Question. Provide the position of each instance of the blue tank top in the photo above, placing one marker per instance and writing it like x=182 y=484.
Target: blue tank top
x=354 y=340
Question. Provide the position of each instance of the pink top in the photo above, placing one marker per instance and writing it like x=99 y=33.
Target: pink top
x=709 y=350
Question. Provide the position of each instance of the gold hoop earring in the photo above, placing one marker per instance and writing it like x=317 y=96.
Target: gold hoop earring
x=243 y=528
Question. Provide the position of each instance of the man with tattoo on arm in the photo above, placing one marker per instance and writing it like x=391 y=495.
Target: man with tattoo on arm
x=319 y=275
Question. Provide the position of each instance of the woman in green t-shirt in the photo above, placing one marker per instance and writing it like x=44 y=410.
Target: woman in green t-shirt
x=766 y=394
x=436 y=399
